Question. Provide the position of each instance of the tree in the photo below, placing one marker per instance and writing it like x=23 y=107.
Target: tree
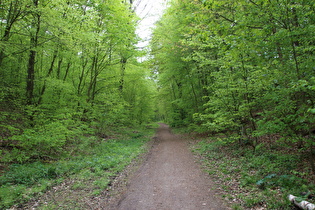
x=240 y=73
x=67 y=55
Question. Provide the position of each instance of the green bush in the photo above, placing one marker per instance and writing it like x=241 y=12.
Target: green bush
x=9 y=194
x=288 y=182
x=41 y=142
x=92 y=159
x=268 y=175
x=28 y=174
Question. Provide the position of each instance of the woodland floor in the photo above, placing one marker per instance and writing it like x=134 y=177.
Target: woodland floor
x=169 y=179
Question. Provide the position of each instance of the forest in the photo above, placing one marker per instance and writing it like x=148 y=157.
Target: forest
x=68 y=68
x=71 y=81
x=243 y=67
x=243 y=72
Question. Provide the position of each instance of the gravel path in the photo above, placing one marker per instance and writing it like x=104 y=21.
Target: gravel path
x=170 y=179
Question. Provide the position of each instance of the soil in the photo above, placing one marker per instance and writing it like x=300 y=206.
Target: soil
x=169 y=179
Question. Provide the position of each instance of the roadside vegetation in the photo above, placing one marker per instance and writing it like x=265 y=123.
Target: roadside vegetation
x=74 y=99
x=257 y=179
x=243 y=69
x=74 y=95
x=88 y=171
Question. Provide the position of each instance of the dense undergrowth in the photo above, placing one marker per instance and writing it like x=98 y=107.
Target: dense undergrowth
x=92 y=165
x=256 y=179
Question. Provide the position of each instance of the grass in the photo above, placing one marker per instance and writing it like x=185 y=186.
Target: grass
x=89 y=169
x=249 y=179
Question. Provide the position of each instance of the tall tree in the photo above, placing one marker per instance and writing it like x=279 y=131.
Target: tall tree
x=76 y=60
x=246 y=74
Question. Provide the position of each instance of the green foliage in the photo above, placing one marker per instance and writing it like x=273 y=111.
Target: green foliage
x=27 y=174
x=8 y=194
x=41 y=142
x=93 y=159
x=261 y=178
x=222 y=69
x=68 y=69
x=290 y=182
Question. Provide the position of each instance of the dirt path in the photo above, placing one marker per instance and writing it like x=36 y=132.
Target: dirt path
x=170 y=179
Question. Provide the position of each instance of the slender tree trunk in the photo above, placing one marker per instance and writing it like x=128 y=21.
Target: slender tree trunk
x=4 y=39
x=32 y=58
x=123 y=63
x=67 y=71
x=93 y=79
x=30 y=77
x=195 y=97
x=312 y=158
x=48 y=74
x=81 y=77
x=173 y=90
x=294 y=42
x=14 y=13
x=312 y=151
x=59 y=68
x=278 y=46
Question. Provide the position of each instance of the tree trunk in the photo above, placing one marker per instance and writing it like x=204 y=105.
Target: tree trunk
x=312 y=156
x=82 y=76
x=93 y=79
x=48 y=74
x=30 y=77
x=14 y=13
x=32 y=58
x=303 y=204
x=123 y=63
x=67 y=71
x=59 y=68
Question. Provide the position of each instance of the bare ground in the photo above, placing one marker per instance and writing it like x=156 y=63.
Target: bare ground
x=169 y=179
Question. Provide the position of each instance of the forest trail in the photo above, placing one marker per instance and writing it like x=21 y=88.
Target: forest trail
x=170 y=179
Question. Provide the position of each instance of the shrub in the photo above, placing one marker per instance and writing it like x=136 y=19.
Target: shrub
x=41 y=142
x=27 y=174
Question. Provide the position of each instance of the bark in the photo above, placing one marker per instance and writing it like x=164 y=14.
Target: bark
x=93 y=79
x=32 y=58
x=312 y=157
x=48 y=74
x=59 y=68
x=303 y=204
x=14 y=14
x=82 y=76
x=123 y=62
x=30 y=77
x=294 y=41
x=67 y=71
x=195 y=97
